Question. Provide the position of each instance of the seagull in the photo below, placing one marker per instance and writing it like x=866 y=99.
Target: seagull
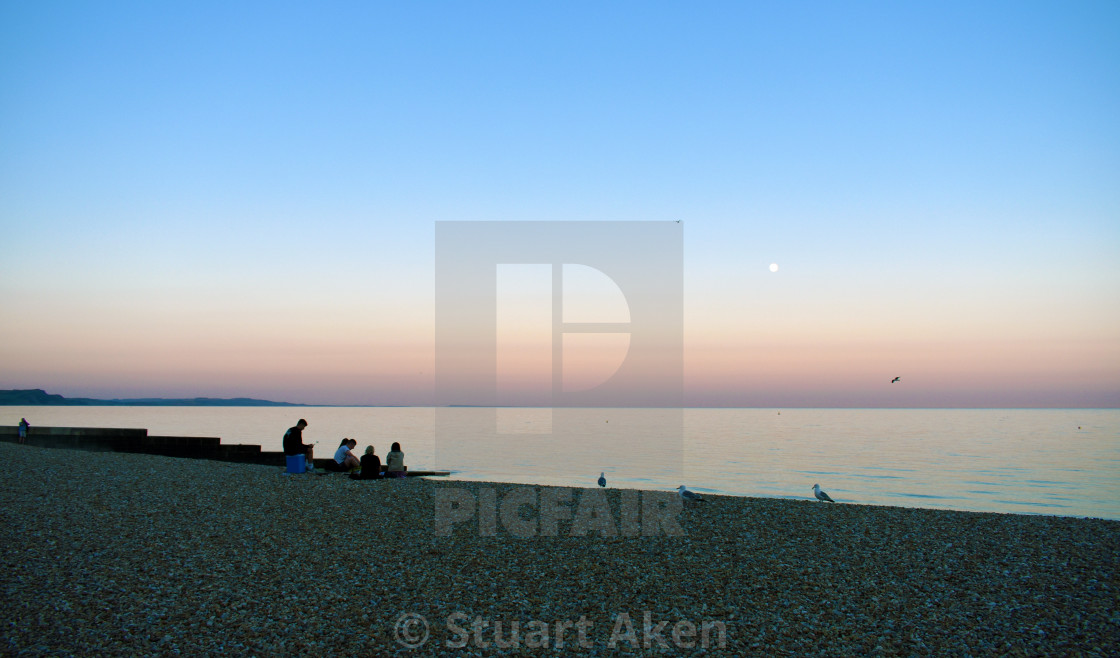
x=895 y=379
x=688 y=496
x=821 y=496
x=602 y=480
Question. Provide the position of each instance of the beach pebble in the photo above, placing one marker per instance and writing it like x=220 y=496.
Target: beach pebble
x=109 y=553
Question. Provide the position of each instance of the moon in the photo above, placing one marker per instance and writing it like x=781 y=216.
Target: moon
x=773 y=267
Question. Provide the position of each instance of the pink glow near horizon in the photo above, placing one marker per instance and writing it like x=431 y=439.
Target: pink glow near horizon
x=385 y=372
x=766 y=355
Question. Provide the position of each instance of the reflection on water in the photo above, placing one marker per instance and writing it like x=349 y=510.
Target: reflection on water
x=1027 y=461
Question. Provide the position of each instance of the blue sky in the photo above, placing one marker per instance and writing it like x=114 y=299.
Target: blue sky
x=202 y=198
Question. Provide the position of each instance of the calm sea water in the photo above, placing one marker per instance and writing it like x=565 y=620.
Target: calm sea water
x=1044 y=461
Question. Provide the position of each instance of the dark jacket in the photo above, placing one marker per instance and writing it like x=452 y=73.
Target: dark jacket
x=371 y=468
x=293 y=442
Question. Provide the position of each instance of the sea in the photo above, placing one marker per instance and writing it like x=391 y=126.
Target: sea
x=1026 y=461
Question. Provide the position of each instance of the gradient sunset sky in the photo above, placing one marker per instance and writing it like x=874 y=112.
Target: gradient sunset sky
x=239 y=199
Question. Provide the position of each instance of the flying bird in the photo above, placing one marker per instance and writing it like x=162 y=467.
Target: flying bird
x=687 y=496
x=821 y=496
x=895 y=379
x=602 y=480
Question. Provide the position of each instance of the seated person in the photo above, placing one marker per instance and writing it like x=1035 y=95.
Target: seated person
x=344 y=459
x=294 y=445
x=371 y=466
x=394 y=462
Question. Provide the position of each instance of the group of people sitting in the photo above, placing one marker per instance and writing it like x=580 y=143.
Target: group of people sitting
x=370 y=463
x=366 y=468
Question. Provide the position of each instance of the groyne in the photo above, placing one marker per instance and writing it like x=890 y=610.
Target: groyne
x=137 y=440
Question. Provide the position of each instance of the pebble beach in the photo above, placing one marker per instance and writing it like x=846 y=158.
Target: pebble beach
x=129 y=554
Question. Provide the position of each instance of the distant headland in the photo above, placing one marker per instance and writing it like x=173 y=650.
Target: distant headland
x=39 y=397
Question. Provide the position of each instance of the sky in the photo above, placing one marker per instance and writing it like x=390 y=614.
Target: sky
x=240 y=199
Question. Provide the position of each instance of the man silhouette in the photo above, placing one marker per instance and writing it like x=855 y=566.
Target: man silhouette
x=294 y=445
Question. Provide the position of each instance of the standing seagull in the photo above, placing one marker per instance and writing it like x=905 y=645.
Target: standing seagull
x=689 y=497
x=602 y=479
x=821 y=496
x=895 y=379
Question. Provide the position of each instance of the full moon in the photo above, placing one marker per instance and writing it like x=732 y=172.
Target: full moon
x=773 y=267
